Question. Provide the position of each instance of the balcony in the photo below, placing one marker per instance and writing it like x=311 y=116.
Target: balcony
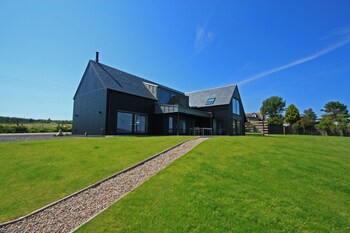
x=167 y=108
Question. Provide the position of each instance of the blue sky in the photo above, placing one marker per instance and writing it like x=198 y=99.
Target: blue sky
x=299 y=50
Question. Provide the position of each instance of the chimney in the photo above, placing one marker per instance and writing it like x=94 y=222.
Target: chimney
x=97 y=57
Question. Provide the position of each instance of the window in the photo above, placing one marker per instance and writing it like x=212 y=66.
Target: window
x=163 y=96
x=236 y=127
x=171 y=121
x=238 y=130
x=182 y=127
x=140 y=124
x=124 y=122
x=166 y=97
x=210 y=101
x=128 y=123
x=219 y=127
x=235 y=106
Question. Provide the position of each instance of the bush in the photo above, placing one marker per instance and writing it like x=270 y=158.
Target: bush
x=21 y=129
x=13 y=129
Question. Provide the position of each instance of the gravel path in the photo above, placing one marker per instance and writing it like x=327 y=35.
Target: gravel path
x=71 y=213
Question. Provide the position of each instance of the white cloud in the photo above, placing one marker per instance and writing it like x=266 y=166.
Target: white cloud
x=343 y=33
x=203 y=39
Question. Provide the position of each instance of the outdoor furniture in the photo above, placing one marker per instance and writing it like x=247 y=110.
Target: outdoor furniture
x=202 y=131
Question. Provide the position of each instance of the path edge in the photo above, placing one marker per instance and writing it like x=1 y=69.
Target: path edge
x=94 y=185
x=103 y=210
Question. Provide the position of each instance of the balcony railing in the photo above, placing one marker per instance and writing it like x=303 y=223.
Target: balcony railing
x=167 y=108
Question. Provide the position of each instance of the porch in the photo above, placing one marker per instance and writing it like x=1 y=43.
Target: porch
x=179 y=120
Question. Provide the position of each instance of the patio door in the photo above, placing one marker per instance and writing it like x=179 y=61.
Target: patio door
x=131 y=123
x=124 y=123
x=182 y=126
x=214 y=127
x=140 y=124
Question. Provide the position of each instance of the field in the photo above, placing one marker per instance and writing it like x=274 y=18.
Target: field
x=34 y=127
x=36 y=173
x=242 y=184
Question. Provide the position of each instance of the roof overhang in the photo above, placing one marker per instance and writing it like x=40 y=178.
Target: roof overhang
x=166 y=108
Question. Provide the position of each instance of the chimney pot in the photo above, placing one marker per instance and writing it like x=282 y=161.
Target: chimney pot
x=97 y=53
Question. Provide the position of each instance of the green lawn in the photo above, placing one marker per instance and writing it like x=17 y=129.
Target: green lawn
x=36 y=173
x=243 y=184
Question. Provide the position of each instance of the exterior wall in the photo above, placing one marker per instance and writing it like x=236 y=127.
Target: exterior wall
x=89 y=111
x=95 y=110
x=223 y=114
x=162 y=122
x=118 y=101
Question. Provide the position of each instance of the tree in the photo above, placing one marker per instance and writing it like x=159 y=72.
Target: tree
x=335 y=120
x=308 y=120
x=273 y=108
x=292 y=114
x=310 y=115
x=275 y=120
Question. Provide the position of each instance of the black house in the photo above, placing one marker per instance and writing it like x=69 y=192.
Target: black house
x=111 y=102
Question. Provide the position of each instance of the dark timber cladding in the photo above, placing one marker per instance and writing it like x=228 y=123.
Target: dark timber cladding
x=110 y=102
x=127 y=103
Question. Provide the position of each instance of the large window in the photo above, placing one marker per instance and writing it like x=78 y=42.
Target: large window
x=163 y=96
x=182 y=127
x=239 y=130
x=124 y=122
x=236 y=127
x=171 y=125
x=218 y=127
x=128 y=123
x=166 y=97
x=235 y=106
x=140 y=124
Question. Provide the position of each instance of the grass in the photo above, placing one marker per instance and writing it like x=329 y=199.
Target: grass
x=36 y=173
x=242 y=184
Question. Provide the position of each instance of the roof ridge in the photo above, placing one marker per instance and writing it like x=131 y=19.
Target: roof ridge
x=142 y=79
x=99 y=63
x=211 y=88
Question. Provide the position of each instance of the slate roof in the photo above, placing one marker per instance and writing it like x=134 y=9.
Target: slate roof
x=118 y=80
x=121 y=81
x=222 y=95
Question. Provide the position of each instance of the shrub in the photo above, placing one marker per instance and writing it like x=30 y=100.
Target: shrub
x=21 y=129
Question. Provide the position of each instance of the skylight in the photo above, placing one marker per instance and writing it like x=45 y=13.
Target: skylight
x=210 y=101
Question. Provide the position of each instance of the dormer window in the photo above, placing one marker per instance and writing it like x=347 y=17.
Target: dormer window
x=167 y=97
x=210 y=101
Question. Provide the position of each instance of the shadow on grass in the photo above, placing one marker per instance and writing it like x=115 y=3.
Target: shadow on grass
x=251 y=134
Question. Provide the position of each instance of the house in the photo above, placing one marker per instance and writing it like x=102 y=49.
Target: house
x=112 y=102
x=254 y=116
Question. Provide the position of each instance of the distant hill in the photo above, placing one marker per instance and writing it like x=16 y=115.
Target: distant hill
x=19 y=120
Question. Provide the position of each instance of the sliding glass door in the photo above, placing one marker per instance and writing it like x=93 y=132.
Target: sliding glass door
x=131 y=123
x=140 y=124
x=124 y=123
